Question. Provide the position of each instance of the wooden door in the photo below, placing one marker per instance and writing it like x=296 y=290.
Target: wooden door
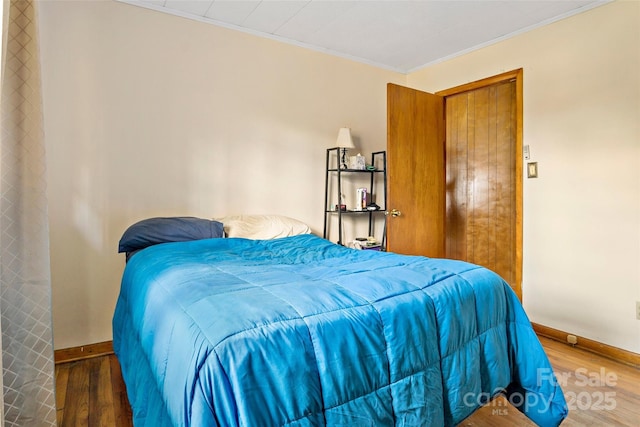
x=416 y=164
x=481 y=178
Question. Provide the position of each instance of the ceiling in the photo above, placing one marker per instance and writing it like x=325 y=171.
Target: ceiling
x=398 y=35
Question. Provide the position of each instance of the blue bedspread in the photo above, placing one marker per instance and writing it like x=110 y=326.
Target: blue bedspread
x=302 y=332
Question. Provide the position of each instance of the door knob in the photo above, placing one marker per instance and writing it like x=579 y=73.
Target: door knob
x=394 y=213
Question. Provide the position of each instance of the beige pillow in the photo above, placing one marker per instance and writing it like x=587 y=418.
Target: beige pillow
x=262 y=227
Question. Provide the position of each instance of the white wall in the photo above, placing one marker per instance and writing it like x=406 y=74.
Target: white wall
x=148 y=114
x=581 y=251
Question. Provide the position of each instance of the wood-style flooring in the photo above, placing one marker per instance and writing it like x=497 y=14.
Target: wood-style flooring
x=599 y=392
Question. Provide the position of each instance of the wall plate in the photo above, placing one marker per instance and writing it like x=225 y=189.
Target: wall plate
x=532 y=170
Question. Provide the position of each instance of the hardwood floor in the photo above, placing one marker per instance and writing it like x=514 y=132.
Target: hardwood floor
x=599 y=392
x=91 y=393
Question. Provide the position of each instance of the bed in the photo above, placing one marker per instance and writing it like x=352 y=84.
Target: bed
x=299 y=331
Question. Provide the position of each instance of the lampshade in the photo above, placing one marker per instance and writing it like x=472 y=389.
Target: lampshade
x=344 y=138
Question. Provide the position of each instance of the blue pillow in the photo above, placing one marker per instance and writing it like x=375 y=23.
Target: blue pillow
x=152 y=231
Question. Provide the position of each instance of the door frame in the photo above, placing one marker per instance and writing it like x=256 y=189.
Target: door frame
x=517 y=76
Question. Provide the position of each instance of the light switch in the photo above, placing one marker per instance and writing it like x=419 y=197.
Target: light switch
x=532 y=170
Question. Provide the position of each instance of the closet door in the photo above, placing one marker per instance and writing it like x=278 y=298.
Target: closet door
x=482 y=180
x=416 y=165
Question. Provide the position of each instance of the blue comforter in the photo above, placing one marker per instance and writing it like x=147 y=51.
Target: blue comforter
x=302 y=332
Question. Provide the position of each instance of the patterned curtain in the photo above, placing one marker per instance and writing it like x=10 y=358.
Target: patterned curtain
x=25 y=281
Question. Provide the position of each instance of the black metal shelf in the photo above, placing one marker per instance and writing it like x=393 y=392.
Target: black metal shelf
x=347 y=212
x=355 y=170
x=337 y=174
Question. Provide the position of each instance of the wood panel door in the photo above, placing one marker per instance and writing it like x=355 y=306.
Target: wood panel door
x=483 y=175
x=415 y=159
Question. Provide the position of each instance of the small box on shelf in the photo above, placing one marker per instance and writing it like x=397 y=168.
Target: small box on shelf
x=357 y=162
x=376 y=247
x=367 y=243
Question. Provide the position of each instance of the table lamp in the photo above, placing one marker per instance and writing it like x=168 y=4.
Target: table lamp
x=344 y=142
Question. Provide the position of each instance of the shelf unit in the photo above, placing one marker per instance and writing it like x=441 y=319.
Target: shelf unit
x=377 y=181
